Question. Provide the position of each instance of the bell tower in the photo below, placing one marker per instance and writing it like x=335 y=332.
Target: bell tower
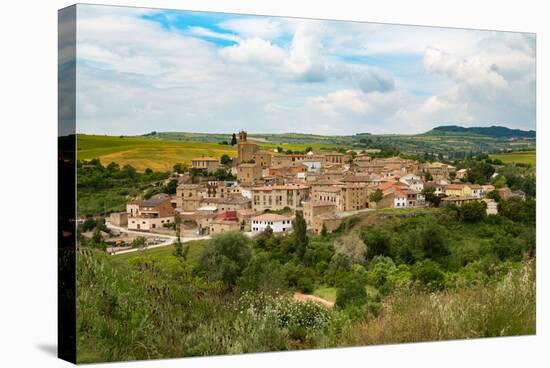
x=242 y=136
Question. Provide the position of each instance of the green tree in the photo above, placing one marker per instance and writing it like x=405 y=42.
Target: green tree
x=233 y=139
x=301 y=239
x=225 y=160
x=378 y=243
x=430 y=196
x=351 y=292
x=170 y=187
x=429 y=273
x=376 y=196
x=263 y=274
x=473 y=211
x=225 y=257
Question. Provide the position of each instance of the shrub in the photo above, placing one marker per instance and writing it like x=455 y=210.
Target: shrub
x=429 y=274
x=351 y=292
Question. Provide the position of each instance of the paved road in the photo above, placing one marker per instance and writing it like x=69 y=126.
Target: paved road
x=169 y=238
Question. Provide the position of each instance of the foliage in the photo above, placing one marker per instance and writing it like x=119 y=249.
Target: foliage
x=376 y=196
x=378 y=242
x=351 y=292
x=299 y=229
x=225 y=257
x=263 y=274
x=473 y=211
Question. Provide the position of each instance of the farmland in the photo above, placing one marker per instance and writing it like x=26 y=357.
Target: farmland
x=526 y=157
x=162 y=154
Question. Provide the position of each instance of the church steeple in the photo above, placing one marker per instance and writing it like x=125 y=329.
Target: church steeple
x=242 y=136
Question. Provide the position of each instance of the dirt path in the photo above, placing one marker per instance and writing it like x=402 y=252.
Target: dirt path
x=313 y=298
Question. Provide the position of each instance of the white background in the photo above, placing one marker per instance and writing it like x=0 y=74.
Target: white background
x=28 y=109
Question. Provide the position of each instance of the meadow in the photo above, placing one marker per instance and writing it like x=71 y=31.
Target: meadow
x=163 y=154
x=520 y=157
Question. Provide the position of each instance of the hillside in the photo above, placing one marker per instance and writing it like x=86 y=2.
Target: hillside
x=492 y=131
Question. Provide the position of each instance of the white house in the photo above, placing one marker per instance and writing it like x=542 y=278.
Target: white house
x=399 y=199
x=278 y=223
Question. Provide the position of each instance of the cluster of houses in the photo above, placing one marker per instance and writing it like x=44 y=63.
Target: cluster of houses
x=325 y=186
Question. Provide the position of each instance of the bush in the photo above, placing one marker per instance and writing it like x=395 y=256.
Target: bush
x=473 y=211
x=351 y=292
x=429 y=274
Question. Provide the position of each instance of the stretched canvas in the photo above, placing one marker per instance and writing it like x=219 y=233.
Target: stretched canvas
x=235 y=183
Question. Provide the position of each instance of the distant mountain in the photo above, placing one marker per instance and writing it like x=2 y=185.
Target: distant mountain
x=492 y=131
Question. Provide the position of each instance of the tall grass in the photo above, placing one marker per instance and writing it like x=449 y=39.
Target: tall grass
x=501 y=308
x=145 y=310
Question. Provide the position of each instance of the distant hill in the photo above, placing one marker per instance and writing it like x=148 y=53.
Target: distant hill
x=492 y=131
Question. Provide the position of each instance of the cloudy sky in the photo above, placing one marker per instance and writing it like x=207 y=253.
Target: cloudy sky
x=140 y=70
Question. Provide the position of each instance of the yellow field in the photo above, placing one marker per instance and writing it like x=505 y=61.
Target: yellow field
x=527 y=157
x=143 y=153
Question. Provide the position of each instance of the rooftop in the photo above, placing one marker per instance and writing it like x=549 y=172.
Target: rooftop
x=204 y=159
x=271 y=217
x=281 y=187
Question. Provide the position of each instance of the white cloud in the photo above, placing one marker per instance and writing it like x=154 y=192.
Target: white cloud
x=135 y=76
x=264 y=27
x=254 y=50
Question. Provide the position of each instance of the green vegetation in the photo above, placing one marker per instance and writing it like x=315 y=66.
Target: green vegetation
x=520 y=157
x=105 y=189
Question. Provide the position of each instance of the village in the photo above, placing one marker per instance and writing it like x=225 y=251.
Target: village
x=271 y=187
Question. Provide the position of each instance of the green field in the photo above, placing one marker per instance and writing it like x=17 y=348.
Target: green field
x=527 y=157
x=160 y=154
x=166 y=254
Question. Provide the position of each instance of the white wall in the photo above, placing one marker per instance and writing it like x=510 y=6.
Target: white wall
x=277 y=226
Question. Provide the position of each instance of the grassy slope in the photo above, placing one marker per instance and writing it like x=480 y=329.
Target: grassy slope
x=159 y=154
x=527 y=157
x=163 y=254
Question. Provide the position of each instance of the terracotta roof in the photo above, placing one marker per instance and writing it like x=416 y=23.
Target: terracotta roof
x=459 y=198
x=271 y=217
x=455 y=186
x=281 y=187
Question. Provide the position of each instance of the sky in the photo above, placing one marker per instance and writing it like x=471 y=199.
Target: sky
x=141 y=70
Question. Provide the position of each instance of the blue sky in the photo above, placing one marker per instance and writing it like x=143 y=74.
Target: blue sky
x=140 y=70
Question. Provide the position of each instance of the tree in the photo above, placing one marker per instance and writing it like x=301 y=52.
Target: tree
x=324 y=231
x=429 y=273
x=378 y=243
x=351 y=292
x=473 y=211
x=180 y=168
x=263 y=274
x=181 y=251
x=434 y=241
x=225 y=160
x=233 y=139
x=225 y=257
x=170 y=187
x=428 y=176
x=376 y=196
x=431 y=197
x=301 y=240
x=351 y=245
x=139 y=242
